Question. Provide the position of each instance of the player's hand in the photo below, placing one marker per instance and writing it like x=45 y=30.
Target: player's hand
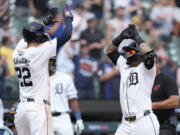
x=79 y=127
x=53 y=11
x=125 y=34
x=133 y=34
x=67 y=12
x=52 y=14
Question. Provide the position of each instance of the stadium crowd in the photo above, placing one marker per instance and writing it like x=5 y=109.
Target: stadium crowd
x=95 y=24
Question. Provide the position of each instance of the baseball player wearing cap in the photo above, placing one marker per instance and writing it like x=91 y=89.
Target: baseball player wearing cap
x=31 y=57
x=63 y=93
x=138 y=72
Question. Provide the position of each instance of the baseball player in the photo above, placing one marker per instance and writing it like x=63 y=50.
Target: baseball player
x=138 y=72
x=31 y=57
x=63 y=93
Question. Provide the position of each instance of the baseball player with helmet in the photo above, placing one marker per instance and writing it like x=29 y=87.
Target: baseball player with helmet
x=31 y=57
x=63 y=93
x=138 y=70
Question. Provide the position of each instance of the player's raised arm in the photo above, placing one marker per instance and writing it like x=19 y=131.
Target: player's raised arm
x=67 y=31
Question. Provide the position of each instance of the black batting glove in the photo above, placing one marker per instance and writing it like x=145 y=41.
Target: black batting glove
x=52 y=14
x=125 y=34
x=134 y=34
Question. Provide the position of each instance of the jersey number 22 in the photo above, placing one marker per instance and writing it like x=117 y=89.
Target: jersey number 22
x=25 y=74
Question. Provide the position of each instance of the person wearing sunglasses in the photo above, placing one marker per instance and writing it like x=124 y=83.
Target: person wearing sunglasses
x=138 y=71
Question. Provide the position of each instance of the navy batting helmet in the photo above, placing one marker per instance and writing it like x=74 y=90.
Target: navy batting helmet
x=35 y=32
x=133 y=48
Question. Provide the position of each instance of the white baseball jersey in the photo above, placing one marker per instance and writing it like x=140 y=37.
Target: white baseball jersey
x=31 y=65
x=135 y=87
x=62 y=89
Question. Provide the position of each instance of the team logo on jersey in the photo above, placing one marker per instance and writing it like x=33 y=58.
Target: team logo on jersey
x=133 y=78
x=59 y=88
x=156 y=87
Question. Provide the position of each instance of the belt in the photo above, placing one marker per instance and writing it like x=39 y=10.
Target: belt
x=133 y=118
x=34 y=100
x=55 y=114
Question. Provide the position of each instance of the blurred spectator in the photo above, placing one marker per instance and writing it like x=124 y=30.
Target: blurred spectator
x=167 y=66
x=147 y=31
x=75 y=3
x=81 y=15
x=162 y=16
x=97 y=8
x=85 y=68
x=5 y=30
x=22 y=8
x=7 y=51
x=108 y=9
x=117 y=24
x=176 y=27
x=121 y=3
x=4 y=5
x=135 y=7
x=1 y=113
x=94 y=37
x=109 y=80
x=3 y=74
x=38 y=7
x=64 y=63
x=160 y=48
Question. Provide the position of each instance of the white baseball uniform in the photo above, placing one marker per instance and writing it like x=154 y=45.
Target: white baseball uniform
x=135 y=99
x=62 y=90
x=33 y=115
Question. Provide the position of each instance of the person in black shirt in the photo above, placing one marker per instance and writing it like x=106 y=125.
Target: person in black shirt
x=94 y=37
x=164 y=101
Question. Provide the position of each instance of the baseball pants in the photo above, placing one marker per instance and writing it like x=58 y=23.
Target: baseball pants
x=147 y=125
x=62 y=125
x=33 y=118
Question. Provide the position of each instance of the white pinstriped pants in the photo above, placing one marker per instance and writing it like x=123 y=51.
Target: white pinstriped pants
x=147 y=125
x=33 y=118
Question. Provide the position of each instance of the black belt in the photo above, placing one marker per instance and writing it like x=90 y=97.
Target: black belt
x=33 y=100
x=133 y=118
x=54 y=114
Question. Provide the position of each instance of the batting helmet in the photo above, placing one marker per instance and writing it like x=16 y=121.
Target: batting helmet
x=133 y=47
x=35 y=32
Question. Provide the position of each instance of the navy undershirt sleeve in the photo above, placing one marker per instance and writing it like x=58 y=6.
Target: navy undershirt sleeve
x=66 y=33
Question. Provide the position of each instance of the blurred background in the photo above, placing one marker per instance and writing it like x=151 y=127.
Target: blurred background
x=95 y=24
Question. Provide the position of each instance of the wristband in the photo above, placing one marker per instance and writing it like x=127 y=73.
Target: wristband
x=77 y=115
